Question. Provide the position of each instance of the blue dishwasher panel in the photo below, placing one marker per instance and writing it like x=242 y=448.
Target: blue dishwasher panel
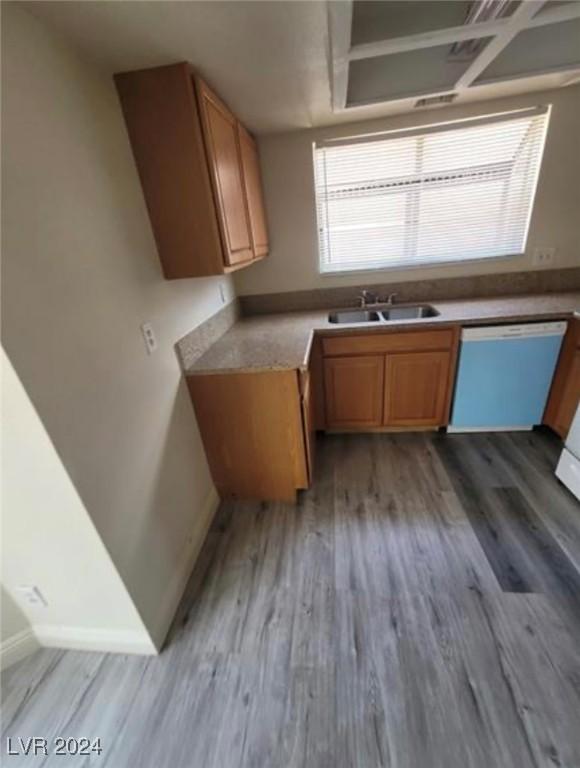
x=503 y=381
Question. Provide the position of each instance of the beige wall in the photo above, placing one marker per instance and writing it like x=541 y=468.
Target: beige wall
x=12 y=620
x=49 y=540
x=289 y=190
x=17 y=639
x=80 y=274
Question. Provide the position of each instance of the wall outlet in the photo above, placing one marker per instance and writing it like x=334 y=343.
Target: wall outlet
x=543 y=256
x=32 y=595
x=149 y=338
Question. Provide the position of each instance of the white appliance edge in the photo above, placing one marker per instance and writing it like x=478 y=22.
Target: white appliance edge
x=568 y=469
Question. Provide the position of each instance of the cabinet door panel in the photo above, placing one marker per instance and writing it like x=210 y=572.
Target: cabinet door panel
x=223 y=151
x=308 y=423
x=163 y=121
x=416 y=386
x=565 y=390
x=254 y=196
x=251 y=425
x=354 y=391
x=569 y=397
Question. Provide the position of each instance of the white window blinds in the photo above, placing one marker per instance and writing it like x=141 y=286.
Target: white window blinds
x=446 y=193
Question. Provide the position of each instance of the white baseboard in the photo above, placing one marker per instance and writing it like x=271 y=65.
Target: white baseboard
x=17 y=647
x=184 y=567
x=118 y=641
x=94 y=639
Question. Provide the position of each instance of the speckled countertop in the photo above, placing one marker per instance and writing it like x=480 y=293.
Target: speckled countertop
x=282 y=342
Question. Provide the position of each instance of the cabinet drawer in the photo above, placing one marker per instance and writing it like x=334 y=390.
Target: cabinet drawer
x=398 y=341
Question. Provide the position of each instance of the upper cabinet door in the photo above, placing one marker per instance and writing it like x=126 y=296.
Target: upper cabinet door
x=223 y=152
x=162 y=118
x=254 y=196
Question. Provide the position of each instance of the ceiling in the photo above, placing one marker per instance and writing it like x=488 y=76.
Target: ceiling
x=275 y=62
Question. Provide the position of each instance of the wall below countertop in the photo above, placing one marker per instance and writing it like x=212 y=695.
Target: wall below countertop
x=287 y=170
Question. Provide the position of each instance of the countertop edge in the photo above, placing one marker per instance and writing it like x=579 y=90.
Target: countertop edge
x=373 y=327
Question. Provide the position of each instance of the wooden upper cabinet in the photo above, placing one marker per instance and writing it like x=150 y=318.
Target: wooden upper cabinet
x=188 y=153
x=416 y=388
x=164 y=128
x=565 y=391
x=220 y=129
x=254 y=195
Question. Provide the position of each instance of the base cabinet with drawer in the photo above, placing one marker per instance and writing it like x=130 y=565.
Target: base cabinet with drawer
x=389 y=380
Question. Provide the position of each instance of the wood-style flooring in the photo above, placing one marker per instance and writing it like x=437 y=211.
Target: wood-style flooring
x=419 y=608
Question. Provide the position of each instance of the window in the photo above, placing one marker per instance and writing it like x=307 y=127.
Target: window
x=447 y=193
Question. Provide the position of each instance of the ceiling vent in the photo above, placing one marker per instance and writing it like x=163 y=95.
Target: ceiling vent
x=436 y=101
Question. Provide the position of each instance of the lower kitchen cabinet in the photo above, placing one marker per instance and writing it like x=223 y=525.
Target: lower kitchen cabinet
x=308 y=420
x=408 y=386
x=416 y=388
x=253 y=430
x=565 y=391
x=354 y=391
x=259 y=428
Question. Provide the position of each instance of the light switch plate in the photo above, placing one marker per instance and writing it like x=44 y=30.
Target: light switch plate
x=149 y=338
x=544 y=256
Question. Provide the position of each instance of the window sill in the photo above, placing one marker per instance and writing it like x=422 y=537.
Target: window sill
x=402 y=266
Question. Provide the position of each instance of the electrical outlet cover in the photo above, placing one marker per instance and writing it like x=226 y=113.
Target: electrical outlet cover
x=32 y=595
x=544 y=256
x=149 y=338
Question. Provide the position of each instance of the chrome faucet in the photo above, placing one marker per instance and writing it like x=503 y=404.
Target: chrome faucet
x=366 y=297
x=391 y=298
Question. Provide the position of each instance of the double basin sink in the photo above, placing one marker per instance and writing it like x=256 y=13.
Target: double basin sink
x=384 y=314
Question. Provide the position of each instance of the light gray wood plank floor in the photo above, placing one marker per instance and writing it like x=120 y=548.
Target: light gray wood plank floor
x=418 y=608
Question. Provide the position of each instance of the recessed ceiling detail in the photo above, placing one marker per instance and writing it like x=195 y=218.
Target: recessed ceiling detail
x=269 y=60
x=388 y=51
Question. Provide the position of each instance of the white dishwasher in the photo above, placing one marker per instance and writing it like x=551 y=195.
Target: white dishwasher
x=504 y=375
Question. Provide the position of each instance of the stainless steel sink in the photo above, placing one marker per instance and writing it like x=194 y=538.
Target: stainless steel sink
x=383 y=314
x=409 y=313
x=354 y=316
